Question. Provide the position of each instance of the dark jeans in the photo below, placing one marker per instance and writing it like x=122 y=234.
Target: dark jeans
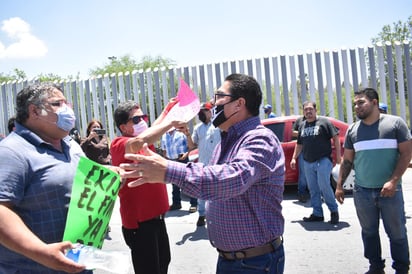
x=371 y=207
x=176 y=197
x=149 y=246
x=270 y=263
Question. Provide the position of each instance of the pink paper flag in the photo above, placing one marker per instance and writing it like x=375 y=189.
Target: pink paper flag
x=185 y=94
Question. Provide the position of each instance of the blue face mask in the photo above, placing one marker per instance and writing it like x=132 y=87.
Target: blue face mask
x=65 y=118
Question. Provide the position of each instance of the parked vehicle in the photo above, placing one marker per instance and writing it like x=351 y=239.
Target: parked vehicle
x=282 y=126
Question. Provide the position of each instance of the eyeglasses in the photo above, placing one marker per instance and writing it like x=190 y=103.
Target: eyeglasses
x=138 y=118
x=57 y=103
x=220 y=95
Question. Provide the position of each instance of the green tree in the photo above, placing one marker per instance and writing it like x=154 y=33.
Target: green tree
x=17 y=75
x=399 y=31
x=49 y=77
x=128 y=63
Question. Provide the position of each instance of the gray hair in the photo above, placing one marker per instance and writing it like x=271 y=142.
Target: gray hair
x=33 y=94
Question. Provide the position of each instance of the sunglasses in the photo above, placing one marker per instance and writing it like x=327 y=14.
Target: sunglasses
x=138 y=118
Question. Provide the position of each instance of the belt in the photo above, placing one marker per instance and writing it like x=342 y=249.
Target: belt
x=252 y=252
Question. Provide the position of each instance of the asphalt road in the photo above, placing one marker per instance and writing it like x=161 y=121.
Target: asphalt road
x=309 y=247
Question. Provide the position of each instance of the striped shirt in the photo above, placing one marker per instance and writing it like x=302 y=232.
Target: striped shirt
x=244 y=186
x=376 y=149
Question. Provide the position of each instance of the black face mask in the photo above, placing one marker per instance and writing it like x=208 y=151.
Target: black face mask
x=219 y=114
x=202 y=117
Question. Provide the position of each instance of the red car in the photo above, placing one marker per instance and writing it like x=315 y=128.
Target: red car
x=282 y=126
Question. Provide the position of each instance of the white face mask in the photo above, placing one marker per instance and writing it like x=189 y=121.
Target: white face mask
x=65 y=117
x=139 y=128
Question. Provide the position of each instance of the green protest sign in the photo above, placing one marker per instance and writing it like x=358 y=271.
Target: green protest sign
x=93 y=197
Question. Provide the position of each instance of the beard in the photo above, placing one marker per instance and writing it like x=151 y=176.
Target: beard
x=363 y=114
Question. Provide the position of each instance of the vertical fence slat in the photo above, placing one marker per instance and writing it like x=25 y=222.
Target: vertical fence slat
x=150 y=96
x=302 y=78
x=135 y=87
x=217 y=74
x=128 y=88
x=346 y=83
x=362 y=67
x=88 y=99
x=338 y=85
x=372 y=68
x=202 y=80
x=329 y=85
x=354 y=68
x=320 y=83
x=391 y=77
x=233 y=66
x=400 y=78
x=284 y=86
x=83 y=106
x=382 y=76
x=156 y=80
x=249 y=63
x=119 y=81
x=293 y=86
x=408 y=68
x=165 y=88
x=268 y=83
x=242 y=66
x=210 y=80
x=276 y=84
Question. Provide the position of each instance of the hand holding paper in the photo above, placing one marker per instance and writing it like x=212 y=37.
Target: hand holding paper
x=188 y=105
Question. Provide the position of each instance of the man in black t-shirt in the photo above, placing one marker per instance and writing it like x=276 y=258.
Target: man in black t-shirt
x=314 y=142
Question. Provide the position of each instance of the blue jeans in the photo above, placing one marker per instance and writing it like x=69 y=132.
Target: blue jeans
x=270 y=263
x=318 y=178
x=176 y=197
x=370 y=207
x=201 y=207
x=302 y=183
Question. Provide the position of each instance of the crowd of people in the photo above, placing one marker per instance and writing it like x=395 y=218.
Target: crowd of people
x=236 y=185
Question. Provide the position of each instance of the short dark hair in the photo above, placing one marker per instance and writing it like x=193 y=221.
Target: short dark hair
x=122 y=112
x=10 y=124
x=370 y=93
x=33 y=94
x=313 y=103
x=245 y=86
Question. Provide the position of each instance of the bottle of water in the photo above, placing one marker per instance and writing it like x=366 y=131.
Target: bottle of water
x=94 y=258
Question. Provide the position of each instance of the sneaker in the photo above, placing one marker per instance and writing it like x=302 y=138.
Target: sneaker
x=201 y=221
x=313 y=218
x=175 y=207
x=334 y=218
x=192 y=209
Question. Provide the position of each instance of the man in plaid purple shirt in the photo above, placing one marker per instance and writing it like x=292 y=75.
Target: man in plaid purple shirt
x=243 y=185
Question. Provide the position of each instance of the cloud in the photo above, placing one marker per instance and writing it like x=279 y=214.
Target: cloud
x=25 y=44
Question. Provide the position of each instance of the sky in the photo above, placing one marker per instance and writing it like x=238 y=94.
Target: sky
x=68 y=38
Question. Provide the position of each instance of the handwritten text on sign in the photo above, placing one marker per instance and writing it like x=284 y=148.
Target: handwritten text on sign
x=93 y=197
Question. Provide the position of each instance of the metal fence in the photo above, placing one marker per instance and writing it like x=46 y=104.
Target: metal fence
x=327 y=77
